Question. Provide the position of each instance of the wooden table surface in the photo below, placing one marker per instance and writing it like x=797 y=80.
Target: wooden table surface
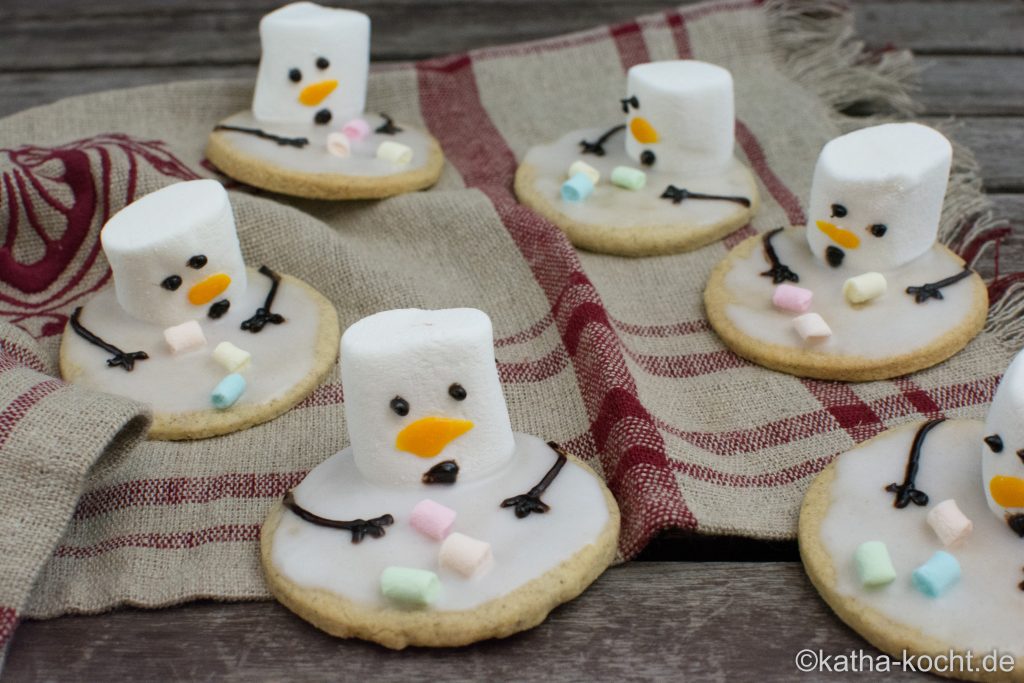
x=692 y=607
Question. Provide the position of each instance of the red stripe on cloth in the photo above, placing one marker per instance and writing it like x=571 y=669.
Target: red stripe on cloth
x=732 y=239
x=534 y=371
x=532 y=332
x=918 y=398
x=9 y=351
x=669 y=330
x=182 y=540
x=8 y=622
x=185 y=491
x=687 y=365
x=753 y=439
x=324 y=395
x=677 y=24
x=784 y=477
x=850 y=412
x=756 y=156
x=629 y=41
x=19 y=407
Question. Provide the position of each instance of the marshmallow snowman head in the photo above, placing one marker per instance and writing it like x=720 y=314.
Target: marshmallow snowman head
x=877 y=195
x=421 y=388
x=314 y=65
x=680 y=116
x=1003 y=449
x=174 y=253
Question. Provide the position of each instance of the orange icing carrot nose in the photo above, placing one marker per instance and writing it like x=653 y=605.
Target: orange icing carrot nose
x=643 y=131
x=204 y=291
x=428 y=436
x=315 y=93
x=843 y=238
x=1008 y=492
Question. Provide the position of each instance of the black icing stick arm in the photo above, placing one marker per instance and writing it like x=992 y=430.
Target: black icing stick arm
x=779 y=272
x=907 y=492
x=282 y=141
x=679 y=194
x=933 y=290
x=388 y=127
x=263 y=315
x=597 y=147
x=530 y=501
x=360 y=528
x=121 y=358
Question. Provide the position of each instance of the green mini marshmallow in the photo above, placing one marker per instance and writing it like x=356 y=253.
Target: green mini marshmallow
x=629 y=178
x=413 y=587
x=874 y=566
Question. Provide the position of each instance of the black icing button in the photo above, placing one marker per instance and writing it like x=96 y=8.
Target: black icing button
x=323 y=116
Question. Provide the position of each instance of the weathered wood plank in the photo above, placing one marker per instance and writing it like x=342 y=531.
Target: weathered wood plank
x=998 y=143
x=933 y=27
x=974 y=85
x=641 y=621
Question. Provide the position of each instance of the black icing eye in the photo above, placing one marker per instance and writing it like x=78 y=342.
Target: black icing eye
x=400 y=406
x=838 y=211
x=294 y=75
x=995 y=442
x=630 y=102
x=197 y=261
x=878 y=229
x=171 y=282
x=457 y=391
x=322 y=63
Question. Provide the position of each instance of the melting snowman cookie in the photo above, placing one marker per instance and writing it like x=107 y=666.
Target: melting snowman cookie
x=307 y=134
x=864 y=291
x=914 y=538
x=438 y=525
x=212 y=346
x=663 y=181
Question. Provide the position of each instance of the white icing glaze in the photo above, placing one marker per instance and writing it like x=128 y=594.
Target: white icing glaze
x=315 y=158
x=282 y=355
x=983 y=611
x=891 y=325
x=524 y=549
x=614 y=206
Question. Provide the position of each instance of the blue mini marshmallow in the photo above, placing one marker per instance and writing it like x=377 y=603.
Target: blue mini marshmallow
x=577 y=188
x=228 y=391
x=937 y=575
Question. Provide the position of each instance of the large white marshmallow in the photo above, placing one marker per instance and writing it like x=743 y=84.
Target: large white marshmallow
x=416 y=356
x=893 y=175
x=164 y=236
x=1005 y=420
x=296 y=40
x=684 y=115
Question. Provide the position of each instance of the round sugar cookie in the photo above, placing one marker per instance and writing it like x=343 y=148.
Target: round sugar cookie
x=891 y=335
x=616 y=220
x=273 y=160
x=288 y=360
x=539 y=561
x=848 y=504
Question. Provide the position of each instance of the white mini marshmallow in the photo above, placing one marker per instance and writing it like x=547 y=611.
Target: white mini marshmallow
x=395 y=152
x=864 y=287
x=949 y=523
x=321 y=46
x=1001 y=467
x=466 y=555
x=161 y=239
x=418 y=362
x=188 y=336
x=811 y=326
x=232 y=358
x=580 y=166
x=683 y=114
x=339 y=145
x=877 y=195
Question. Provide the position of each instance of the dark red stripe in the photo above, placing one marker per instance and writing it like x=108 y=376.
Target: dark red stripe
x=19 y=407
x=183 y=540
x=687 y=365
x=8 y=623
x=778 y=190
x=677 y=24
x=784 y=477
x=849 y=411
x=629 y=41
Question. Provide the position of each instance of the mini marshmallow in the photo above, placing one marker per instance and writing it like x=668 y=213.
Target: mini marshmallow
x=811 y=326
x=412 y=587
x=580 y=166
x=232 y=358
x=424 y=359
x=577 y=188
x=315 y=59
x=1002 y=471
x=465 y=555
x=356 y=130
x=792 y=298
x=151 y=243
x=864 y=287
x=874 y=566
x=937 y=575
x=682 y=118
x=433 y=519
x=228 y=391
x=949 y=523
x=185 y=337
x=395 y=152
x=339 y=145
x=629 y=178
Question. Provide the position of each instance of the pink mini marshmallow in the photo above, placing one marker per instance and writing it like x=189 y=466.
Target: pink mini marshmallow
x=466 y=555
x=185 y=337
x=433 y=519
x=356 y=130
x=811 y=326
x=339 y=145
x=950 y=524
x=792 y=298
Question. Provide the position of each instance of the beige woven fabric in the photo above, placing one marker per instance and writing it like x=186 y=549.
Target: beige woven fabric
x=610 y=356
